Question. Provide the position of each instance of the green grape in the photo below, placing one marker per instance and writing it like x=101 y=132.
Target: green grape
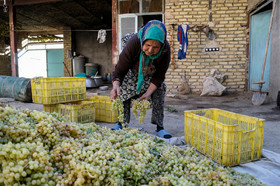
x=117 y=105
x=142 y=107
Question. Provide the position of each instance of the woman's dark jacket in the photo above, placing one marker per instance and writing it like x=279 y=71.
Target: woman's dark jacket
x=129 y=57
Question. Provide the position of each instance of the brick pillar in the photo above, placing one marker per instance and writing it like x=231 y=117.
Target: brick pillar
x=67 y=42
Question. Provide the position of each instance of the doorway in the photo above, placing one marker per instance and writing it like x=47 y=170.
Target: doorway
x=55 y=63
x=259 y=26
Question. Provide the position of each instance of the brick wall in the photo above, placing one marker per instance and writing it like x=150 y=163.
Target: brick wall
x=229 y=23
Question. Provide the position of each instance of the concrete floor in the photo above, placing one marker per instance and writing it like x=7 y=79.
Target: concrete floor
x=174 y=121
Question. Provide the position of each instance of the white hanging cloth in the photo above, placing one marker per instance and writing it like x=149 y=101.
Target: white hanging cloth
x=101 y=37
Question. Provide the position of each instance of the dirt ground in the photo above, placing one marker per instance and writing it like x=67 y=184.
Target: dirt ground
x=175 y=105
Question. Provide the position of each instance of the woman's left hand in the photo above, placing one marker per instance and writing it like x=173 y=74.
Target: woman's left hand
x=149 y=92
x=145 y=96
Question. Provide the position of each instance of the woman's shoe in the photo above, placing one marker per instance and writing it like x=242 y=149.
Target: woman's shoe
x=118 y=126
x=163 y=134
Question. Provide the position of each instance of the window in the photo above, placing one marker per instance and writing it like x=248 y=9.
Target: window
x=128 y=6
x=151 y=6
x=140 y=6
x=134 y=14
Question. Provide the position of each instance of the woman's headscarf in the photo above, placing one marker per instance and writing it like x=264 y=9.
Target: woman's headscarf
x=154 y=30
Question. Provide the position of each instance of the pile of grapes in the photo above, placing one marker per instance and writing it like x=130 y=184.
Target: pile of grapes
x=38 y=148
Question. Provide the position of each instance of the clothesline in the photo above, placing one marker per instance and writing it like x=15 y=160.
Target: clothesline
x=210 y=34
x=62 y=30
x=194 y=28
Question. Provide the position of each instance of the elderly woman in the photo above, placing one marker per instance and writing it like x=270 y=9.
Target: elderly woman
x=140 y=73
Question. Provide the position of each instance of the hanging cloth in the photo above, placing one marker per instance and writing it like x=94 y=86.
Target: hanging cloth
x=101 y=36
x=182 y=37
x=126 y=37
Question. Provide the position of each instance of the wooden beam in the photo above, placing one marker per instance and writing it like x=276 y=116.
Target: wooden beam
x=4 y=20
x=87 y=10
x=36 y=20
x=13 y=40
x=59 y=9
x=48 y=16
x=30 y=2
x=58 y=20
x=108 y=2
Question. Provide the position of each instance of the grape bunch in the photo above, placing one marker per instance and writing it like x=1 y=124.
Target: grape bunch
x=50 y=150
x=117 y=105
x=142 y=107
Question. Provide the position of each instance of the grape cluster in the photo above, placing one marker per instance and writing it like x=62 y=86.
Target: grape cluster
x=50 y=150
x=117 y=105
x=142 y=107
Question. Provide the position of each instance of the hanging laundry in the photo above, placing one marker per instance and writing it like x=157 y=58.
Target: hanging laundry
x=182 y=36
x=126 y=37
x=101 y=37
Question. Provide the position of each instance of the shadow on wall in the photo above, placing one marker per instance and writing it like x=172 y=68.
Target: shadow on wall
x=86 y=44
x=5 y=65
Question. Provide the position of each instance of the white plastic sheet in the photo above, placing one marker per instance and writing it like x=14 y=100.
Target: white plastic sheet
x=267 y=169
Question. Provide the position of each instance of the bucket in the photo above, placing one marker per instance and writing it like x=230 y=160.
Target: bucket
x=98 y=81
x=91 y=69
x=16 y=87
x=78 y=65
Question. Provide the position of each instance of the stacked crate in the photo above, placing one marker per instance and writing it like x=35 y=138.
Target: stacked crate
x=103 y=109
x=63 y=95
x=80 y=112
x=67 y=96
x=58 y=90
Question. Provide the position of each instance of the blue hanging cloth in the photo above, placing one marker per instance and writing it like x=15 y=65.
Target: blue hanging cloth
x=182 y=37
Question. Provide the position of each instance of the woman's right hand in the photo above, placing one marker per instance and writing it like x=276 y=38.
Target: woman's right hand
x=115 y=92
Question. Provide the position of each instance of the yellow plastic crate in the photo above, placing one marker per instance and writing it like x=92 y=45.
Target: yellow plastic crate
x=80 y=112
x=50 y=108
x=103 y=109
x=226 y=137
x=58 y=90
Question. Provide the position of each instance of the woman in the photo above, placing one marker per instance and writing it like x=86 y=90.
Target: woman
x=144 y=80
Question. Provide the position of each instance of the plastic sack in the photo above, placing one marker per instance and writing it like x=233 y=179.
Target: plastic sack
x=212 y=84
x=212 y=87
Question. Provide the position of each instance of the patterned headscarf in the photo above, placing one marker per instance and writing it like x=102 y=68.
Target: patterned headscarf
x=154 y=30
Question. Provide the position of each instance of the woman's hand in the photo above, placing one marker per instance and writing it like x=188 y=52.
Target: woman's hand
x=115 y=92
x=145 y=96
x=149 y=92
